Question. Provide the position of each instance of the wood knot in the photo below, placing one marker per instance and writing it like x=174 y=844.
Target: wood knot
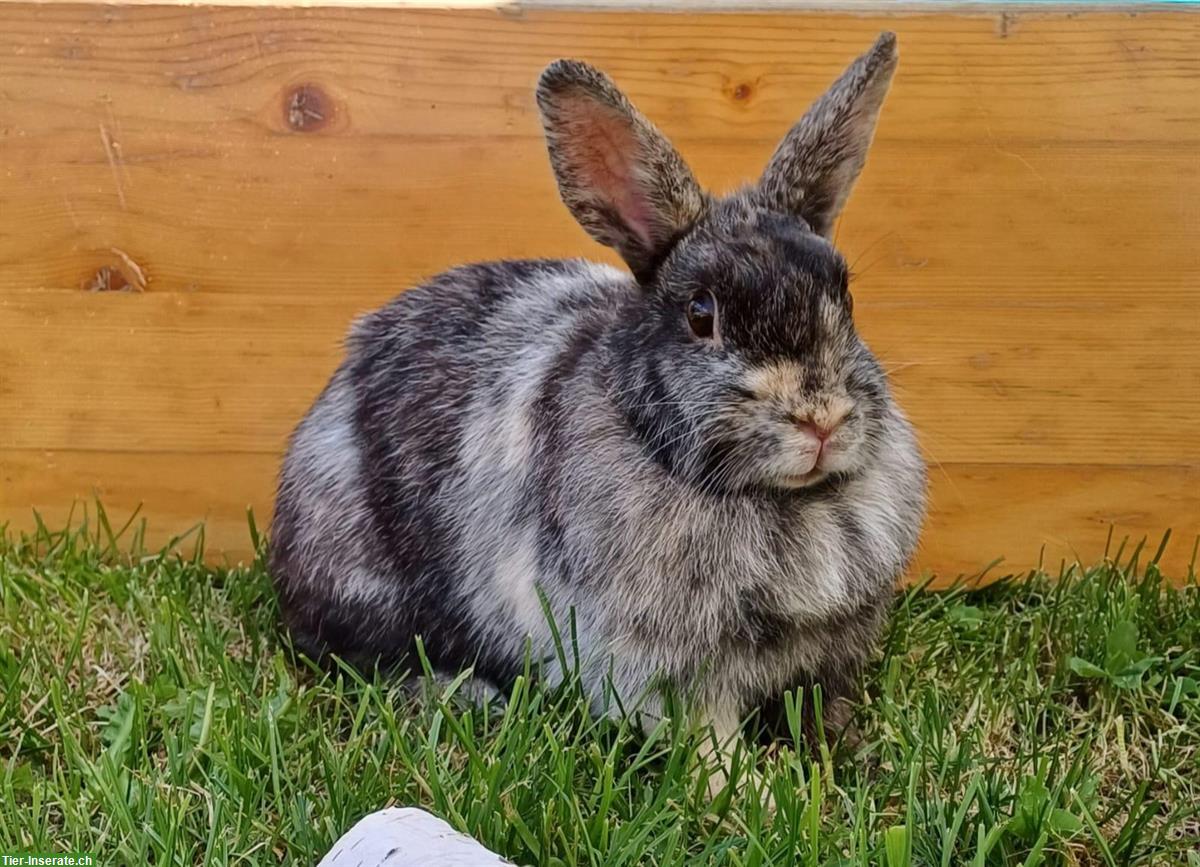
x=740 y=92
x=307 y=108
x=126 y=276
x=107 y=279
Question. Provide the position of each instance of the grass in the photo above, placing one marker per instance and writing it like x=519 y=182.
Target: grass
x=150 y=714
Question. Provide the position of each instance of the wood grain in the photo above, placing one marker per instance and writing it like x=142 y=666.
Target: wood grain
x=1026 y=237
x=233 y=372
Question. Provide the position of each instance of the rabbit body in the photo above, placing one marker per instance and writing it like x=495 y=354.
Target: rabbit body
x=558 y=430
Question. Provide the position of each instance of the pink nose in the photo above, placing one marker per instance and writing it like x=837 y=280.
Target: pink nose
x=821 y=432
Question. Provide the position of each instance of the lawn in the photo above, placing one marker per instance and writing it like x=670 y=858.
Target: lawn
x=149 y=713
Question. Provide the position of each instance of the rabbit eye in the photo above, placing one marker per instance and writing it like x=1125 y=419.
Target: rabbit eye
x=702 y=314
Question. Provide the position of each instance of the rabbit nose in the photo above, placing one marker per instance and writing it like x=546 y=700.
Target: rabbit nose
x=822 y=432
x=822 y=425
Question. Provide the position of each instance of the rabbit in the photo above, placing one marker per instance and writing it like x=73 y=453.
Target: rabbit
x=696 y=464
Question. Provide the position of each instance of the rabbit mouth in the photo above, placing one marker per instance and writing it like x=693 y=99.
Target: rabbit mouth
x=803 y=480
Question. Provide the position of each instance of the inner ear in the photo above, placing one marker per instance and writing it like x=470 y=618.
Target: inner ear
x=606 y=164
x=619 y=176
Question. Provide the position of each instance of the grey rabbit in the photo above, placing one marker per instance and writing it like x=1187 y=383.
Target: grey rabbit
x=700 y=463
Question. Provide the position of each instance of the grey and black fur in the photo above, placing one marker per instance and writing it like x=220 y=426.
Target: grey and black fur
x=558 y=427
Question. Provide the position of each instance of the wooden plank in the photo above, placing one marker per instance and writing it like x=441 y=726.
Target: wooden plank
x=972 y=244
x=176 y=491
x=1047 y=383
x=1051 y=515
x=980 y=512
x=927 y=217
x=1026 y=233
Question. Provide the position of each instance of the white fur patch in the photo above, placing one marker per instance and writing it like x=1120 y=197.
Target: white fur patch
x=514 y=583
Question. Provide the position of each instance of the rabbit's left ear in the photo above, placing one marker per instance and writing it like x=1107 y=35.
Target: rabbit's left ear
x=818 y=161
x=618 y=175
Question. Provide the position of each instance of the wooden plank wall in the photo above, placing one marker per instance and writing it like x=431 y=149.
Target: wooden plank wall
x=1026 y=235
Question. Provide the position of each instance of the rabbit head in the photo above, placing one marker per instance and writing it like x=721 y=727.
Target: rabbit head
x=738 y=363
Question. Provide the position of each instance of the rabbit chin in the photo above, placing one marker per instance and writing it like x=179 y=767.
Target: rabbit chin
x=800 y=480
x=806 y=478
x=808 y=472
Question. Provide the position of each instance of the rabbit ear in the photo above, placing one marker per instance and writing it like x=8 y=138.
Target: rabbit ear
x=816 y=164
x=618 y=175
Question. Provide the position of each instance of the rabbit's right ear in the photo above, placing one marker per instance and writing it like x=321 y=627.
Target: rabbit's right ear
x=618 y=175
